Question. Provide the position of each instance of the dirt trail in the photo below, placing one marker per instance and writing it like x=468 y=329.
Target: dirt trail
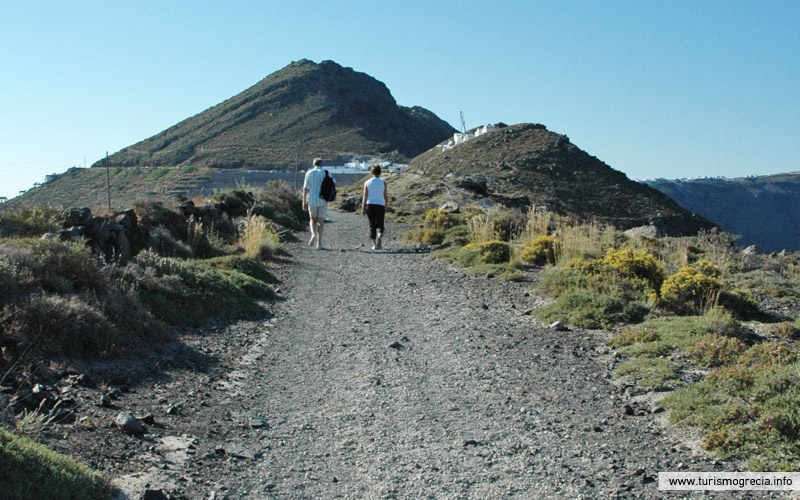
x=389 y=375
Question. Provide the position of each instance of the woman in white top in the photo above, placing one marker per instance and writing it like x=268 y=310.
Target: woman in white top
x=373 y=205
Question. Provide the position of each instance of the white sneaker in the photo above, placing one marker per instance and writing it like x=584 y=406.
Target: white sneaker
x=373 y=247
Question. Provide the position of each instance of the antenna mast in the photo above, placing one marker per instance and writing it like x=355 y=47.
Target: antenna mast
x=463 y=125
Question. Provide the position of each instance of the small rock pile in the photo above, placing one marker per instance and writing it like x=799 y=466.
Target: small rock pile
x=116 y=237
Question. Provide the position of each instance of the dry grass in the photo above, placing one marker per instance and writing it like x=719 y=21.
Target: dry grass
x=259 y=239
x=573 y=240
x=539 y=222
x=480 y=228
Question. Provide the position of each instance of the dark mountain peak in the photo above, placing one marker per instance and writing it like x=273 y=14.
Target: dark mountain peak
x=305 y=109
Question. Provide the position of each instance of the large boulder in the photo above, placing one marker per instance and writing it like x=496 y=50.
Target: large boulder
x=75 y=217
x=475 y=183
x=350 y=203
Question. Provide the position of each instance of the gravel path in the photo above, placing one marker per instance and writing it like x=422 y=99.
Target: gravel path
x=389 y=375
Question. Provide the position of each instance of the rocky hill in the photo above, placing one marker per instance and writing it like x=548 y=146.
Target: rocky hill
x=526 y=164
x=764 y=210
x=307 y=109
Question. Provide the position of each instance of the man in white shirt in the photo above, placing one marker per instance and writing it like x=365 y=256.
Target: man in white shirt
x=315 y=204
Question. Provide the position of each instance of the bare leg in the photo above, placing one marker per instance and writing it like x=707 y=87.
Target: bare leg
x=320 y=222
x=312 y=227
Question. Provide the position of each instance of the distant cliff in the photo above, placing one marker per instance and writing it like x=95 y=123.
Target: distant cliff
x=764 y=210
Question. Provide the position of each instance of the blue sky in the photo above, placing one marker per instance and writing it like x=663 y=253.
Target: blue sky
x=653 y=88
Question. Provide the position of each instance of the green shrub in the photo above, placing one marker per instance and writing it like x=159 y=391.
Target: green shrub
x=244 y=265
x=276 y=201
x=556 y=282
x=15 y=280
x=60 y=326
x=468 y=256
x=592 y=309
x=715 y=350
x=457 y=235
x=638 y=264
x=769 y=353
x=414 y=235
x=649 y=373
x=749 y=409
x=786 y=330
x=165 y=230
x=64 y=267
x=191 y=292
x=158 y=173
x=30 y=470
x=506 y=226
x=440 y=219
x=29 y=221
x=490 y=270
x=514 y=275
x=432 y=237
x=253 y=287
x=720 y=321
x=740 y=302
x=714 y=337
x=540 y=251
x=63 y=301
x=690 y=290
x=493 y=252
x=632 y=336
x=80 y=325
x=604 y=291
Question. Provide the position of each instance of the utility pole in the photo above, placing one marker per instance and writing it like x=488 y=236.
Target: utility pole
x=108 y=183
x=295 y=165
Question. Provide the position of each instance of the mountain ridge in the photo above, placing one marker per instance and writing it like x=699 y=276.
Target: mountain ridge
x=305 y=109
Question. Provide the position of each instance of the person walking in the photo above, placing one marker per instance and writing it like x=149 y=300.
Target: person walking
x=313 y=202
x=373 y=205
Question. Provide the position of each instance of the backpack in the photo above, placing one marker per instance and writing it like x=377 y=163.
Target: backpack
x=327 y=191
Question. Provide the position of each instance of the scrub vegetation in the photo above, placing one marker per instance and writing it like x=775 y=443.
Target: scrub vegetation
x=48 y=474
x=61 y=302
x=710 y=328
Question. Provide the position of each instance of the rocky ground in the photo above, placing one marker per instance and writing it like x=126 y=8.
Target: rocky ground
x=377 y=375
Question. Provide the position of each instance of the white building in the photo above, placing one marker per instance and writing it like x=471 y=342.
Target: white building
x=484 y=129
x=459 y=138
